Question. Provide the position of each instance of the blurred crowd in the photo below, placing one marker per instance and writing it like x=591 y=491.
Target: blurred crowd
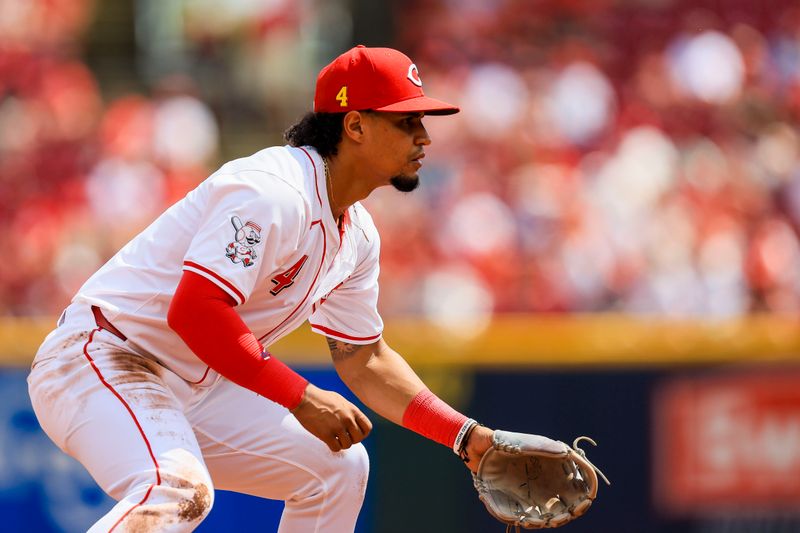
x=639 y=156
x=80 y=175
x=615 y=155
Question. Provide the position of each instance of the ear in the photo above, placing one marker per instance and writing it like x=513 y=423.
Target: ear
x=353 y=126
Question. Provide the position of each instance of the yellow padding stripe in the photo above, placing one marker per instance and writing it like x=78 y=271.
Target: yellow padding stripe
x=597 y=339
x=527 y=340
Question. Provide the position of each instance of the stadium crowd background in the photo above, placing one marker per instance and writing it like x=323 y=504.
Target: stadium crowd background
x=629 y=156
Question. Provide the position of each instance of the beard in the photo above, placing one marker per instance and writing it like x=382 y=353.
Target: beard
x=405 y=183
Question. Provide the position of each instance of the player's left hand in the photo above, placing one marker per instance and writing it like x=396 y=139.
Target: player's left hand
x=479 y=442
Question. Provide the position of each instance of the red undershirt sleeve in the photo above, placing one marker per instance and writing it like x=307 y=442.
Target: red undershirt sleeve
x=204 y=316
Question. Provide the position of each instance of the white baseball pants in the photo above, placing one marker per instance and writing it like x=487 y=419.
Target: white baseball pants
x=160 y=445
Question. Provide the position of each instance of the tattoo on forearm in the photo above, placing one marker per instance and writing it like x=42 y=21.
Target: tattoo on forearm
x=341 y=350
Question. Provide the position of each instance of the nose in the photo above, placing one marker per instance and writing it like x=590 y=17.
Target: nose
x=422 y=138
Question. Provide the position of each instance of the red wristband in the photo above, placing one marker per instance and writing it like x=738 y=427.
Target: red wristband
x=429 y=416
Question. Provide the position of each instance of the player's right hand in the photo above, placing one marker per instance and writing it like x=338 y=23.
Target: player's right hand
x=331 y=418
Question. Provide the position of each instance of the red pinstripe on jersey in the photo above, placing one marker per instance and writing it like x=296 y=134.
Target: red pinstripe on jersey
x=322 y=261
x=200 y=269
x=322 y=300
x=135 y=421
x=202 y=379
x=319 y=269
x=316 y=180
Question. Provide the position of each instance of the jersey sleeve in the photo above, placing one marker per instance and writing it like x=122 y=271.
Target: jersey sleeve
x=248 y=223
x=350 y=311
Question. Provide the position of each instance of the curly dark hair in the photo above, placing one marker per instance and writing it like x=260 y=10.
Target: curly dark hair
x=323 y=131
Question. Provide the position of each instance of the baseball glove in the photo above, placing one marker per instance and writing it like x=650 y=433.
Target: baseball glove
x=533 y=482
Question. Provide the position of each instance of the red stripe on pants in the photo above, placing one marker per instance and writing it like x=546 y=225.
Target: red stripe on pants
x=135 y=421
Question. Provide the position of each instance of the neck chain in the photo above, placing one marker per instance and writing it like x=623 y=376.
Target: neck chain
x=330 y=183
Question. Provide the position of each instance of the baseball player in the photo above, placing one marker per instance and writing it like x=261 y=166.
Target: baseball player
x=158 y=377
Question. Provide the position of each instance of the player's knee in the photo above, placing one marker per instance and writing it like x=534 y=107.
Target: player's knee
x=185 y=497
x=192 y=495
x=353 y=469
x=197 y=503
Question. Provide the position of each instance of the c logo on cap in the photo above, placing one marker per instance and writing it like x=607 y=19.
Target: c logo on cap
x=413 y=75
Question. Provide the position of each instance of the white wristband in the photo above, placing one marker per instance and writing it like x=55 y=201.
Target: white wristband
x=468 y=424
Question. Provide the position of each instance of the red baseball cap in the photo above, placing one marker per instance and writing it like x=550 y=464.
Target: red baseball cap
x=380 y=79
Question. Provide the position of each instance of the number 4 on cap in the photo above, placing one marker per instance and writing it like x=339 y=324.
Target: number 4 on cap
x=342 y=96
x=286 y=279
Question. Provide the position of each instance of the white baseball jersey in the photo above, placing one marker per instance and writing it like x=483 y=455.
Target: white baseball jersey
x=261 y=228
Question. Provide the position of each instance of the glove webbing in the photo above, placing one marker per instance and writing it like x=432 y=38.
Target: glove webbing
x=583 y=454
